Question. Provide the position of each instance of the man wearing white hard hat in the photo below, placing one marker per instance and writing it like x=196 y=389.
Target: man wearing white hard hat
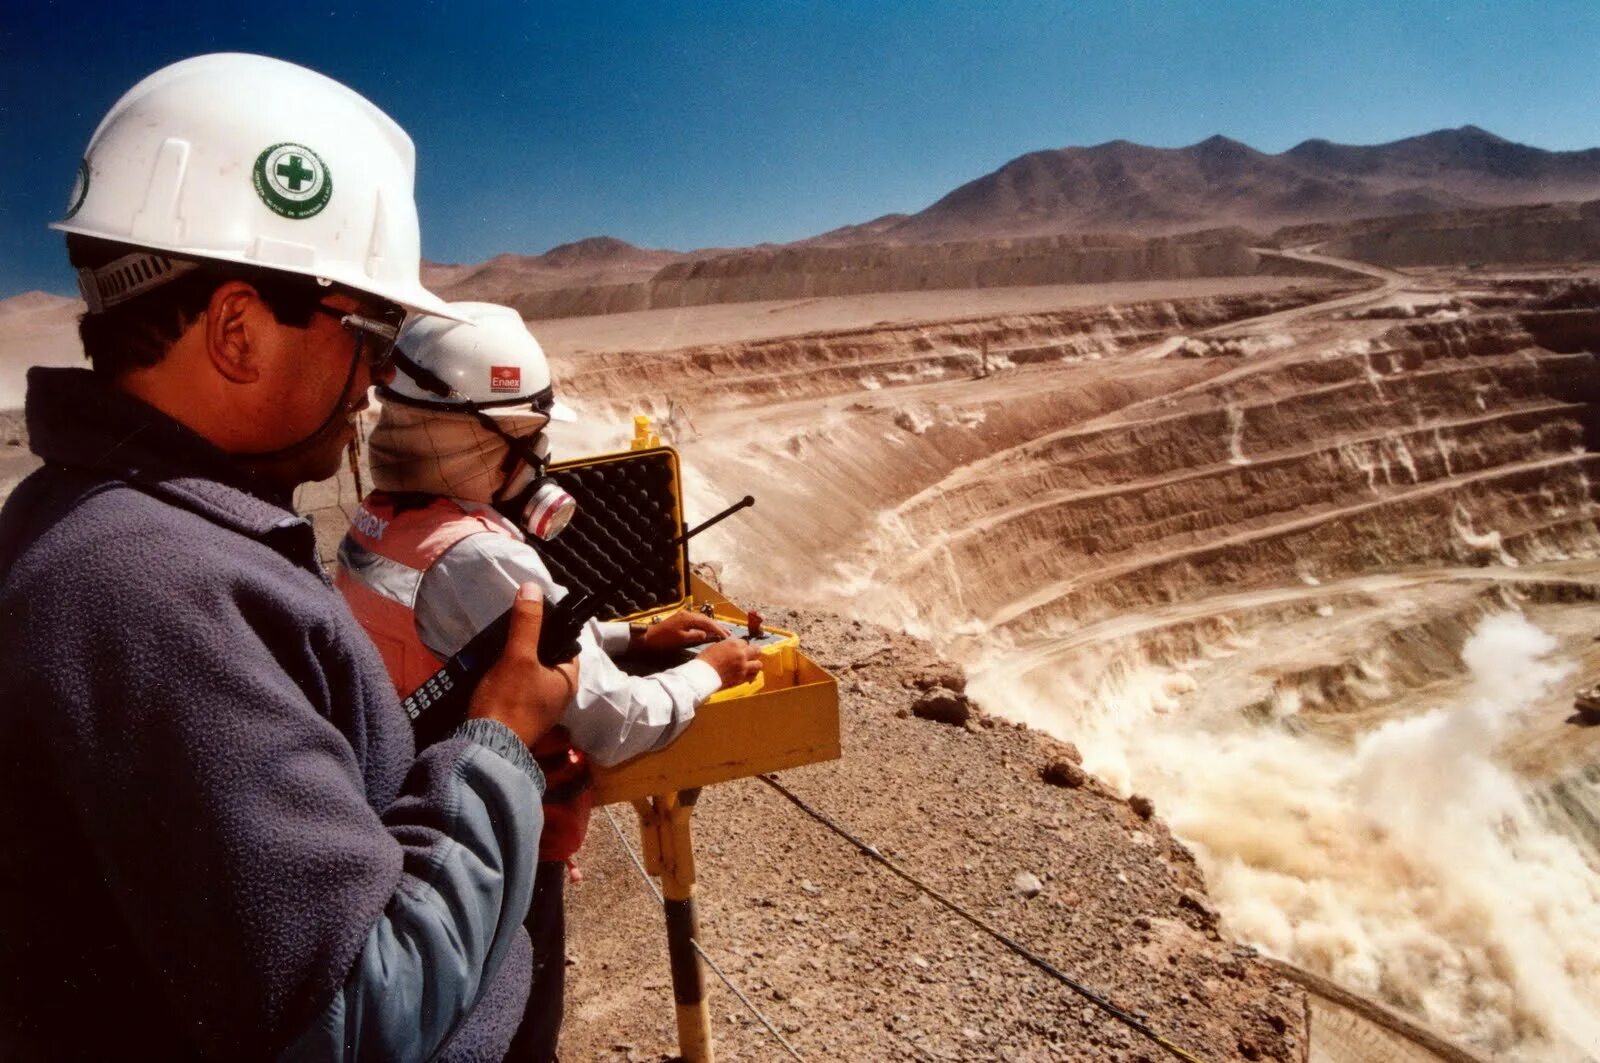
x=224 y=844
x=437 y=552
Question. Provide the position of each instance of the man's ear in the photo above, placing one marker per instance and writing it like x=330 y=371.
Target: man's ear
x=232 y=331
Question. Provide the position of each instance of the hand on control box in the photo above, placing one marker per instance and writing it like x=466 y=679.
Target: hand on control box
x=735 y=660
x=681 y=629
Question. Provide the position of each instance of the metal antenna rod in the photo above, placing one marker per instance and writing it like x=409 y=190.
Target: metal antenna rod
x=744 y=503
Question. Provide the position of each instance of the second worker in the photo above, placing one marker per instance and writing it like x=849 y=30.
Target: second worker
x=436 y=553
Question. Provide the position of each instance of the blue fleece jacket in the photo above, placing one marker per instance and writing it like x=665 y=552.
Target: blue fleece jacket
x=218 y=839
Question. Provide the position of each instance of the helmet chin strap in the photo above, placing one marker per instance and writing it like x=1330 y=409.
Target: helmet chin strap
x=433 y=383
x=340 y=407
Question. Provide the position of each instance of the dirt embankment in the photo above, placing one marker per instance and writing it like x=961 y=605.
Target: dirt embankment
x=36 y=328
x=757 y=274
x=1548 y=233
x=1389 y=449
x=851 y=963
x=887 y=356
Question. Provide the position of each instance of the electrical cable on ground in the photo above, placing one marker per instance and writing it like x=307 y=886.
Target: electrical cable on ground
x=648 y=881
x=1129 y=1020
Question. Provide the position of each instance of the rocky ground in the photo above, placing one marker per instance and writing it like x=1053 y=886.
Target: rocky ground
x=852 y=963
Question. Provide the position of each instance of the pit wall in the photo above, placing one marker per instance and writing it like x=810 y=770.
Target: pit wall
x=815 y=365
x=812 y=272
x=1454 y=443
x=1551 y=233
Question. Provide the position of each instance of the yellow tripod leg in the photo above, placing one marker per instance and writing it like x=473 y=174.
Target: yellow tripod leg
x=664 y=822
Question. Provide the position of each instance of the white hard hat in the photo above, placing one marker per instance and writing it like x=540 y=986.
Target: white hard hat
x=241 y=158
x=489 y=363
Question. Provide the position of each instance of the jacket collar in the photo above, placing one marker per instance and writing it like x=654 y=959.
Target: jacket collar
x=80 y=419
x=489 y=513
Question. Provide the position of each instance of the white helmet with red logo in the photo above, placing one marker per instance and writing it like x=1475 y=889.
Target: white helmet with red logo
x=466 y=395
x=246 y=159
x=489 y=363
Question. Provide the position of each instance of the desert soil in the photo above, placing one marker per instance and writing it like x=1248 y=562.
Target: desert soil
x=852 y=963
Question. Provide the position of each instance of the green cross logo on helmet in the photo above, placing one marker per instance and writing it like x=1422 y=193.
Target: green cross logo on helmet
x=292 y=180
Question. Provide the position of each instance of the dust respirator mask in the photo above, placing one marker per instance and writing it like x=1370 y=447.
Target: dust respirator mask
x=531 y=498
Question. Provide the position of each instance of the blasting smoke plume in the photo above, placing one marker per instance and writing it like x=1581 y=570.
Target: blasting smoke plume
x=1408 y=865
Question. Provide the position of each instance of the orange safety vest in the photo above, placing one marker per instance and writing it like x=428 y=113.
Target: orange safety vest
x=397 y=547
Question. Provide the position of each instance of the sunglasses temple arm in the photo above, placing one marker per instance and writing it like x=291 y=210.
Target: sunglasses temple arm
x=425 y=379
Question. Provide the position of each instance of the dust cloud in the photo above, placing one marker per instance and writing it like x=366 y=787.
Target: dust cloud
x=1410 y=864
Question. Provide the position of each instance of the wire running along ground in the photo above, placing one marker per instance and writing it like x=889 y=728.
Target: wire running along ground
x=1133 y=1022
x=746 y=1001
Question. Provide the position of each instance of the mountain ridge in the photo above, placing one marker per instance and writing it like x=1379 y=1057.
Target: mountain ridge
x=1123 y=186
x=1115 y=188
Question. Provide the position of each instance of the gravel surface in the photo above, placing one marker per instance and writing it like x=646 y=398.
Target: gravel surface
x=852 y=963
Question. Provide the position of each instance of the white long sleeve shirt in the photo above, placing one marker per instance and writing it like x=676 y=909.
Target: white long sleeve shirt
x=612 y=715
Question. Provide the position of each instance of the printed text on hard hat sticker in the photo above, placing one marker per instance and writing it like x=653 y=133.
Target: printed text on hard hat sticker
x=80 y=189
x=292 y=180
x=505 y=378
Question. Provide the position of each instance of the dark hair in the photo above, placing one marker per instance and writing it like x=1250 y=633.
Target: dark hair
x=138 y=333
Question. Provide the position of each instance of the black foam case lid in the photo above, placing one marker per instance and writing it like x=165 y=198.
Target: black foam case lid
x=620 y=539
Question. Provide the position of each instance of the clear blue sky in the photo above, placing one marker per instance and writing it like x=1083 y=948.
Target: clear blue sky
x=708 y=123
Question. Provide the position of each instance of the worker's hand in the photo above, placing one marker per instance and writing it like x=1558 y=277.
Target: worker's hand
x=683 y=628
x=735 y=660
x=518 y=690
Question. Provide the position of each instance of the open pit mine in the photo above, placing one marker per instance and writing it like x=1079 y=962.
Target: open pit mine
x=1308 y=561
x=1312 y=566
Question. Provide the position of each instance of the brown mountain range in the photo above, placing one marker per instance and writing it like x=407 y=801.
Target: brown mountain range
x=1126 y=187
x=1110 y=192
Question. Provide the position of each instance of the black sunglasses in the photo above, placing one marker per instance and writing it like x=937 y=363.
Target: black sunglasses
x=375 y=338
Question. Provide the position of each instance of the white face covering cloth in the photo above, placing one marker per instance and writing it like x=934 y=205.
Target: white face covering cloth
x=442 y=453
